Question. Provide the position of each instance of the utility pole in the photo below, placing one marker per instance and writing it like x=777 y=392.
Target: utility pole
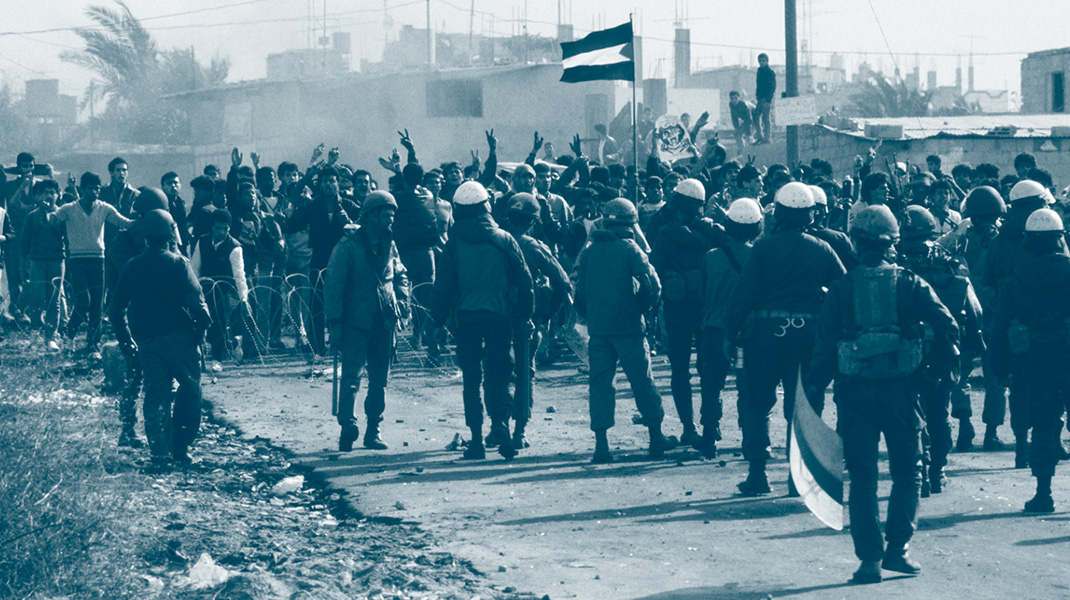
x=791 y=75
x=430 y=40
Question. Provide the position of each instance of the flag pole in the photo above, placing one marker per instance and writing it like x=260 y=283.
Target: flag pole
x=635 y=121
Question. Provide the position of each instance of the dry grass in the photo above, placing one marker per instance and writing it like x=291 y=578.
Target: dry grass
x=60 y=493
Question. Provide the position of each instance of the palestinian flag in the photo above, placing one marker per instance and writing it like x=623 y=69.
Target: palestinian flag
x=816 y=461
x=606 y=54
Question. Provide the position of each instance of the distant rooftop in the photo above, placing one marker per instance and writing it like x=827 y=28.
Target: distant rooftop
x=1009 y=125
x=1053 y=52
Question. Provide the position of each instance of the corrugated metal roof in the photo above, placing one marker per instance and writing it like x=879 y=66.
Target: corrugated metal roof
x=1027 y=126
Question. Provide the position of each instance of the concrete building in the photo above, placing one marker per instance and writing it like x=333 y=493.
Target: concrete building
x=446 y=112
x=970 y=139
x=1045 y=77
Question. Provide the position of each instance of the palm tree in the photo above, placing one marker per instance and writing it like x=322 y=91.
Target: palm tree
x=880 y=97
x=136 y=74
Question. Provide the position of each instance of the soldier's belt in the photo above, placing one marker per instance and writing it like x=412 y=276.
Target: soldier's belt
x=781 y=314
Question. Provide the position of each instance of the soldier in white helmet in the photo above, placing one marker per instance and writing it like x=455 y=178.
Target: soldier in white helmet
x=1031 y=340
x=615 y=286
x=1004 y=253
x=484 y=282
x=721 y=271
x=772 y=319
x=678 y=252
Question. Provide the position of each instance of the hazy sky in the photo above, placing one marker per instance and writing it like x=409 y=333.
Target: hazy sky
x=936 y=34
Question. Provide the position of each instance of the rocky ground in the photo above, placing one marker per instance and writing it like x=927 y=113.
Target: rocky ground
x=270 y=509
x=85 y=519
x=551 y=523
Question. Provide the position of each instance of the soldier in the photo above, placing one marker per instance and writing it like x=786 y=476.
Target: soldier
x=970 y=245
x=159 y=294
x=772 y=318
x=365 y=296
x=721 y=269
x=483 y=280
x=551 y=289
x=1031 y=341
x=947 y=277
x=679 y=249
x=615 y=287
x=1026 y=196
x=869 y=338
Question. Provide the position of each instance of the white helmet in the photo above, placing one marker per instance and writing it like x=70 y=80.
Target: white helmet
x=691 y=188
x=819 y=195
x=470 y=193
x=745 y=211
x=795 y=195
x=1044 y=220
x=1027 y=188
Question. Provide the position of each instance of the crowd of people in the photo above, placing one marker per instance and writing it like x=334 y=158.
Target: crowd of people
x=891 y=282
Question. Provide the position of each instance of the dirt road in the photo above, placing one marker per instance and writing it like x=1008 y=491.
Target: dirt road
x=551 y=523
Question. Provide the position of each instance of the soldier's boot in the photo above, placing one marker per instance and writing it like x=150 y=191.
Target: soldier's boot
x=1021 y=451
x=128 y=437
x=708 y=445
x=493 y=439
x=602 y=455
x=756 y=484
x=476 y=450
x=659 y=443
x=898 y=559
x=868 y=572
x=350 y=434
x=505 y=442
x=992 y=442
x=1042 y=502
x=520 y=441
x=690 y=436
x=937 y=479
x=966 y=435
x=372 y=439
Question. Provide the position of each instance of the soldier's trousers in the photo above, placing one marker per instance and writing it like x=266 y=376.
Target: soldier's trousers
x=172 y=418
x=865 y=411
x=713 y=369
x=936 y=437
x=632 y=353
x=364 y=351
x=483 y=344
x=774 y=353
x=1047 y=386
x=683 y=331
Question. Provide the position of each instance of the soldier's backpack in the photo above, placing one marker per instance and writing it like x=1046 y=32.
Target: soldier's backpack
x=879 y=350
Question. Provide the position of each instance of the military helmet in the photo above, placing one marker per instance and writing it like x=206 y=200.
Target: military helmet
x=1044 y=221
x=157 y=223
x=919 y=223
x=691 y=189
x=470 y=193
x=149 y=198
x=795 y=194
x=984 y=202
x=376 y=200
x=620 y=211
x=525 y=204
x=745 y=211
x=819 y=195
x=1027 y=188
x=875 y=222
